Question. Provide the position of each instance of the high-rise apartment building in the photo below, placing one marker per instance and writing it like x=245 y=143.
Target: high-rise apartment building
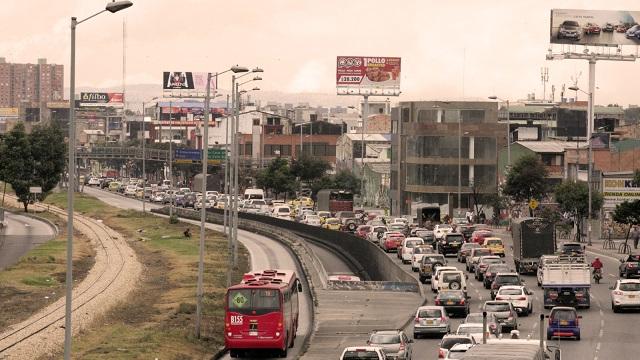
x=30 y=85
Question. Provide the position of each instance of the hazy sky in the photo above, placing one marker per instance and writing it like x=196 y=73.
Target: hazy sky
x=449 y=49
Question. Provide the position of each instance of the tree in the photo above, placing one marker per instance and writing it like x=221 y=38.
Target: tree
x=573 y=198
x=309 y=169
x=19 y=165
x=627 y=213
x=277 y=177
x=346 y=180
x=526 y=180
x=48 y=150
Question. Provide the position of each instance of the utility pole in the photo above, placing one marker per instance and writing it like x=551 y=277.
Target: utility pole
x=144 y=158
x=365 y=111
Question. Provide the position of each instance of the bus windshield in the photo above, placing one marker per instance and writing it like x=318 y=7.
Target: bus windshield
x=254 y=301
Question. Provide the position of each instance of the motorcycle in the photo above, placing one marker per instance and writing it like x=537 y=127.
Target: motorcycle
x=597 y=275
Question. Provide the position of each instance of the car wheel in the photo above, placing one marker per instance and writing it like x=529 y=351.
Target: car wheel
x=615 y=308
x=548 y=336
x=487 y=286
x=578 y=337
x=423 y=280
x=416 y=336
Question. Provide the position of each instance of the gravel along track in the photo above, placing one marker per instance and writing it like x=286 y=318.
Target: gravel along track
x=114 y=275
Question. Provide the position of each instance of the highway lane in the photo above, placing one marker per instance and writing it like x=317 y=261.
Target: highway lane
x=21 y=234
x=605 y=335
x=264 y=253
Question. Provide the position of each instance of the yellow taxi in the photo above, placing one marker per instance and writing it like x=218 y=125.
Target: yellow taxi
x=332 y=224
x=494 y=244
x=139 y=193
x=324 y=215
x=302 y=202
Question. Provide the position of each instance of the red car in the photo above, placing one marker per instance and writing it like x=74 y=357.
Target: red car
x=591 y=28
x=363 y=231
x=392 y=242
x=622 y=28
x=479 y=235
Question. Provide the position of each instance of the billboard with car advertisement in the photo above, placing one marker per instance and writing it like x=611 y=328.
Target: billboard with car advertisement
x=595 y=27
x=186 y=83
x=101 y=99
x=368 y=75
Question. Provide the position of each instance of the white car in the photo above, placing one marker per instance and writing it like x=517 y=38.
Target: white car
x=311 y=219
x=452 y=280
x=363 y=352
x=282 y=212
x=198 y=204
x=625 y=294
x=436 y=274
x=373 y=233
x=408 y=244
x=93 y=181
x=130 y=190
x=158 y=196
x=474 y=330
x=440 y=230
x=519 y=296
x=418 y=253
x=458 y=351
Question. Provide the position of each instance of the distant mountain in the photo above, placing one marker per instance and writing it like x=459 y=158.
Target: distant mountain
x=137 y=93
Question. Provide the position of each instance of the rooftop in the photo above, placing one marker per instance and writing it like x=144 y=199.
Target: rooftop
x=550 y=146
x=368 y=137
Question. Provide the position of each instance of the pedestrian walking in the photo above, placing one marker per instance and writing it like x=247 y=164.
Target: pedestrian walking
x=635 y=236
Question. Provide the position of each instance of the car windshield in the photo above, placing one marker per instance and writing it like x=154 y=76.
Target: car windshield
x=470 y=329
x=629 y=286
x=429 y=313
x=360 y=355
x=496 y=307
x=447 y=343
x=509 y=292
x=385 y=339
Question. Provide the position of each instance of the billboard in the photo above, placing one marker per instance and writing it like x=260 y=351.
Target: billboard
x=357 y=75
x=186 y=82
x=595 y=27
x=617 y=190
x=101 y=99
x=9 y=111
x=187 y=155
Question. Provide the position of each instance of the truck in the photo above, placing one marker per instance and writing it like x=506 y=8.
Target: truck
x=566 y=284
x=334 y=200
x=532 y=238
x=428 y=214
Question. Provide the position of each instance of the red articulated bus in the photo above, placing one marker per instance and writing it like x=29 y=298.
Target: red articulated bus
x=261 y=313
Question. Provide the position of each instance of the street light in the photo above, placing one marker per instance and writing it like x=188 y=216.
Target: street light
x=493 y=97
x=589 y=165
x=111 y=7
x=460 y=165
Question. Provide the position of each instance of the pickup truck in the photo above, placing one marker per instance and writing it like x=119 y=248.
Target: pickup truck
x=566 y=284
x=630 y=267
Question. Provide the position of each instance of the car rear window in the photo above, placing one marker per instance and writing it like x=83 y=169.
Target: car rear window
x=454 y=238
x=497 y=268
x=492 y=261
x=481 y=252
x=450 y=295
x=360 y=355
x=507 y=279
x=413 y=243
x=422 y=250
x=447 y=343
x=430 y=313
x=470 y=330
x=510 y=292
x=563 y=315
x=494 y=242
x=385 y=339
x=433 y=259
x=473 y=318
x=630 y=287
x=496 y=307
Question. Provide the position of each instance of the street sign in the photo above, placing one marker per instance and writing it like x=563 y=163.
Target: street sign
x=188 y=155
x=216 y=156
x=35 y=189
x=533 y=204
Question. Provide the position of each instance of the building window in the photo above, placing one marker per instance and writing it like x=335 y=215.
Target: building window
x=437 y=146
x=406 y=112
x=436 y=175
x=427 y=116
x=484 y=176
x=451 y=116
x=256 y=122
x=472 y=116
x=484 y=148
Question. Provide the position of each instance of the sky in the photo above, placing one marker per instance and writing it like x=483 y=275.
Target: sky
x=450 y=49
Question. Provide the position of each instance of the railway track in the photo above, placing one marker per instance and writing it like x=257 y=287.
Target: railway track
x=98 y=281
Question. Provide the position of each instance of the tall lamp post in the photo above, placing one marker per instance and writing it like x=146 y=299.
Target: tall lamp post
x=589 y=164
x=508 y=128
x=111 y=7
x=365 y=114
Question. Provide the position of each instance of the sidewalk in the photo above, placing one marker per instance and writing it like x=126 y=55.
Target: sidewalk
x=597 y=247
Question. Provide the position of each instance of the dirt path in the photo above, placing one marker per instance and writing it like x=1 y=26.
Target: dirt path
x=114 y=275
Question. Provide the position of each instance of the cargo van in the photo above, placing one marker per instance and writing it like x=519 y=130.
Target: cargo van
x=254 y=194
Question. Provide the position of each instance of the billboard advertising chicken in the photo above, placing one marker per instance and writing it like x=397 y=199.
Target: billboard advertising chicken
x=368 y=75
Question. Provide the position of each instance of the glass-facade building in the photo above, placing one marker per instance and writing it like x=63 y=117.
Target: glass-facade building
x=431 y=140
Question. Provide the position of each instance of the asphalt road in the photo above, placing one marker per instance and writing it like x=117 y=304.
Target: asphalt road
x=264 y=254
x=21 y=234
x=604 y=335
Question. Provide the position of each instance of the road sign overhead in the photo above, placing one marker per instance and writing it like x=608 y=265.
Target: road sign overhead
x=217 y=154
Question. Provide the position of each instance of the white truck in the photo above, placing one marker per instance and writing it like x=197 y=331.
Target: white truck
x=566 y=284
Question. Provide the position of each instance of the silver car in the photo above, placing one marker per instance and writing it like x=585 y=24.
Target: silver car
x=504 y=312
x=395 y=343
x=431 y=320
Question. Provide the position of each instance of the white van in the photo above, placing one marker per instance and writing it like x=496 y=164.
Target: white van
x=254 y=194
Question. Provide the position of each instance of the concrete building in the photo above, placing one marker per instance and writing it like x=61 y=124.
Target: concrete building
x=426 y=152
x=30 y=85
